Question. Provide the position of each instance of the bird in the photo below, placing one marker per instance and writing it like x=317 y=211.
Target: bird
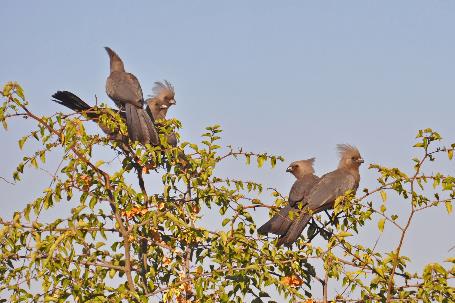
x=159 y=104
x=303 y=171
x=73 y=102
x=126 y=92
x=329 y=187
x=163 y=93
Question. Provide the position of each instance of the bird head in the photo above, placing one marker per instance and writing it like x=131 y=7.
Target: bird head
x=115 y=61
x=157 y=107
x=164 y=91
x=350 y=157
x=301 y=168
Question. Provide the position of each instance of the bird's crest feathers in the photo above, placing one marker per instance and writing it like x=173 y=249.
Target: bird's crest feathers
x=350 y=157
x=347 y=151
x=161 y=89
x=304 y=166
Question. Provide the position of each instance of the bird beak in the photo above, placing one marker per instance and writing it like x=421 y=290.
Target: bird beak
x=172 y=102
x=360 y=160
x=289 y=169
x=164 y=106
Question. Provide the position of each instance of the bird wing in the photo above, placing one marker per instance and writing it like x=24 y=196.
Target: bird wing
x=124 y=88
x=301 y=188
x=330 y=187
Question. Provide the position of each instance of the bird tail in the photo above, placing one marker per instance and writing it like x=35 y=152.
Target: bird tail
x=278 y=224
x=295 y=230
x=73 y=102
x=140 y=126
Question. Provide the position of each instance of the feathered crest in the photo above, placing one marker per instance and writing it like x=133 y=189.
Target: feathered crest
x=305 y=166
x=308 y=165
x=310 y=161
x=346 y=150
x=161 y=88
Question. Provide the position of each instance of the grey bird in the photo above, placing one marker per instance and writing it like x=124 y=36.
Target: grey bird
x=73 y=102
x=331 y=186
x=304 y=173
x=163 y=93
x=124 y=89
x=158 y=105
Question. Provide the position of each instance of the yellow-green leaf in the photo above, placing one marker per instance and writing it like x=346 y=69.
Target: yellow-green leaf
x=449 y=207
x=383 y=195
x=381 y=224
x=344 y=234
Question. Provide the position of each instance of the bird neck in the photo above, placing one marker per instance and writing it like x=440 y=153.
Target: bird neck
x=354 y=171
x=304 y=176
x=117 y=65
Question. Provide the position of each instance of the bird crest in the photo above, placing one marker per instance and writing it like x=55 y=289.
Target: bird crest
x=348 y=151
x=303 y=167
x=161 y=89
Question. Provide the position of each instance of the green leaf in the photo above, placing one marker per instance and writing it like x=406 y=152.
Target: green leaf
x=260 y=161
x=344 y=234
x=92 y=202
x=22 y=142
x=381 y=223
x=223 y=237
x=20 y=91
x=383 y=195
x=112 y=273
x=450 y=154
x=34 y=162
x=449 y=207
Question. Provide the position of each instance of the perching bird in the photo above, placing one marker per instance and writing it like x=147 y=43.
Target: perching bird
x=163 y=93
x=331 y=186
x=159 y=103
x=71 y=101
x=304 y=173
x=124 y=89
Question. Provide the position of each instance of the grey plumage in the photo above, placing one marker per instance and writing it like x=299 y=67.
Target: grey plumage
x=159 y=103
x=304 y=172
x=330 y=186
x=125 y=90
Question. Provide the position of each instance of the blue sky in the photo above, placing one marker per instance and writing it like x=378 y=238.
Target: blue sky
x=292 y=77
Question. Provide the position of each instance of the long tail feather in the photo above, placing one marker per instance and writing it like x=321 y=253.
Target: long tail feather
x=70 y=100
x=140 y=126
x=295 y=230
x=278 y=224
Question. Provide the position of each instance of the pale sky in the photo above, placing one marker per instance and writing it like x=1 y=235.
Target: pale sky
x=292 y=78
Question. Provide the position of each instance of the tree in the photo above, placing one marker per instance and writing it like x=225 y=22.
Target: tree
x=147 y=242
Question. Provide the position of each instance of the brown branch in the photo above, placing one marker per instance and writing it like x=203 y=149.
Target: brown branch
x=9 y=182
x=403 y=233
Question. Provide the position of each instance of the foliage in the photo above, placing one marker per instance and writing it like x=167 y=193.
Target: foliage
x=121 y=242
